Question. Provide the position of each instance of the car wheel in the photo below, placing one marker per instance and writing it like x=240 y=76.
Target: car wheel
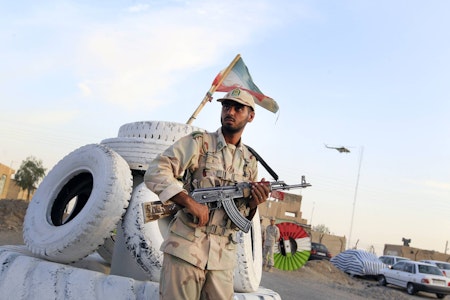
x=78 y=204
x=382 y=280
x=410 y=288
x=440 y=296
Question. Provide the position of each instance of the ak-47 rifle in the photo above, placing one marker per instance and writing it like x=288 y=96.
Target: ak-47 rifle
x=217 y=197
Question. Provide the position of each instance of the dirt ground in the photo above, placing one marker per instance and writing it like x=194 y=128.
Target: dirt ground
x=12 y=213
x=320 y=278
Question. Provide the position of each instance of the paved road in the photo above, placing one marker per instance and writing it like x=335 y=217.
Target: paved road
x=292 y=287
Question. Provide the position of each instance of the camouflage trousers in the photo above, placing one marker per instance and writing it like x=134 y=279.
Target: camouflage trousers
x=181 y=280
x=268 y=256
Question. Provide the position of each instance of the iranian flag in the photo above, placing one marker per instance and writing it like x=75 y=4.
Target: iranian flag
x=237 y=76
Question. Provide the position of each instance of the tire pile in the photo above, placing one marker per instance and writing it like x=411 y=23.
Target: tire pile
x=92 y=194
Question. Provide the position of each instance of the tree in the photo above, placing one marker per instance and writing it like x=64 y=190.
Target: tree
x=30 y=172
x=321 y=228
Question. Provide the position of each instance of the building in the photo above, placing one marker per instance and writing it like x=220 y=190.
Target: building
x=414 y=253
x=5 y=180
x=286 y=210
x=8 y=187
x=289 y=210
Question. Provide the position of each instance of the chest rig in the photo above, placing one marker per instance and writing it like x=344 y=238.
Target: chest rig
x=218 y=165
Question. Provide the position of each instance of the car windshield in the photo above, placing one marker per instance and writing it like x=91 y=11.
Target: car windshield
x=443 y=266
x=320 y=247
x=429 y=270
x=398 y=266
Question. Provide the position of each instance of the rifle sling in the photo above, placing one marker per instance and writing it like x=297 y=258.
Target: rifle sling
x=265 y=165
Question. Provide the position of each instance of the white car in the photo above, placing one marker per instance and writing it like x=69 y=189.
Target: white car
x=390 y=260
x=415 y=277
x=444 y=266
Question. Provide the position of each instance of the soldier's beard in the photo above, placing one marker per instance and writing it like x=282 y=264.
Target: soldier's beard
x=232 y=129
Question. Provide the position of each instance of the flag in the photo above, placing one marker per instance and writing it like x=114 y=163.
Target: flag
x=239 y=77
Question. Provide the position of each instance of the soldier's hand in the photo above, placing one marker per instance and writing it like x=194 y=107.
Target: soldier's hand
x=200 y=212
x=260 y=193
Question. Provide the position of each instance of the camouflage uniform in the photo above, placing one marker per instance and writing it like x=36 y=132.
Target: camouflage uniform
x=199 y=262
x=272 y=236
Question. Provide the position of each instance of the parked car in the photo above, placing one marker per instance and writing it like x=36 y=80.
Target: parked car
x=319 y=251
x=444 y=266
x=416 y=276
x=358 y=262
x=390 y=260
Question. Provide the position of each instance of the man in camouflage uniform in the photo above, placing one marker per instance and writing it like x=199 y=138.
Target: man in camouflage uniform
x=200 y=248
x=272 y=237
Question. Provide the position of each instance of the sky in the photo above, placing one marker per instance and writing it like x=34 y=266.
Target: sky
x=371 y=76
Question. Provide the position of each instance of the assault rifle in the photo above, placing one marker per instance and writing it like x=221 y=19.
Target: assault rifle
x=217 y=197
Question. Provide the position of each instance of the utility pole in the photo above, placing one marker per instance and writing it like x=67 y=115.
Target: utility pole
x=312 y=212
x=343 y=149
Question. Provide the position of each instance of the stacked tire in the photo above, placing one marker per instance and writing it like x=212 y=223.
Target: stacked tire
x=78 y=206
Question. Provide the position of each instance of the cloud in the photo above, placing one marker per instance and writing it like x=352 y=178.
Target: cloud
x=130 y=55
x=146 y=52
x=437 y=185
x=138 y=8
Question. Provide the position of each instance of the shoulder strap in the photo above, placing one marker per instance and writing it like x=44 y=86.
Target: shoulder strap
x=261 y=160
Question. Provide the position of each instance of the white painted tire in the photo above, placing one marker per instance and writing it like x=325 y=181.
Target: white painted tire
x=260 y=294
x=248 y=272
x=100 y=181
x=143 y=240
x=140 y=142
x=138 y=153
x=165 y=133
x=24 y=277
x=106 y=250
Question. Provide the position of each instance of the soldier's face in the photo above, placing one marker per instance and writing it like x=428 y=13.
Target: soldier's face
x=235 y=116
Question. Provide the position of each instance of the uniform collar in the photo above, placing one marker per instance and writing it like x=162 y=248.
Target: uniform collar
x=221 y=143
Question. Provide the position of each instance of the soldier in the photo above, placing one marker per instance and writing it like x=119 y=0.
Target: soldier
x=272 y=237
x=200 y=248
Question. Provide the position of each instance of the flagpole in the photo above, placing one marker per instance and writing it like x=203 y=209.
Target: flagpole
x=213 y=88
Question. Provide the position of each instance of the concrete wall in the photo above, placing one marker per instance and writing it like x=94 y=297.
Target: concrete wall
x=288 y=210
x=335 y=244
x=414 y=253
